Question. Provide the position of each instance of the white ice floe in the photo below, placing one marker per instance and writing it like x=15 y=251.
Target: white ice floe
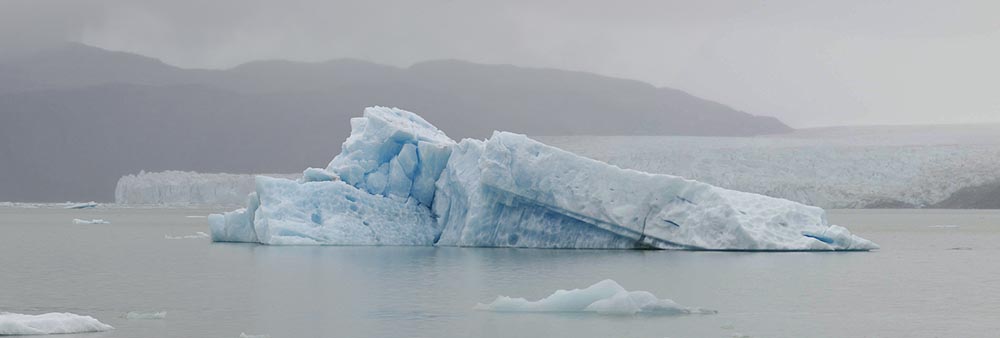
x=198 y=234
x=86 y=205
x=48 y=323
x=145 y=315
x=195 y=216
x=401 y=181
x=604 y=297
x=90 y=221
x=244 y=335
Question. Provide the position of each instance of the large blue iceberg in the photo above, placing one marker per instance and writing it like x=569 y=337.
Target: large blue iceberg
x=400 y=181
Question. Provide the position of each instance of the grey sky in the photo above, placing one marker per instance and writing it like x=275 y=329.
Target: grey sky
x=808 y=63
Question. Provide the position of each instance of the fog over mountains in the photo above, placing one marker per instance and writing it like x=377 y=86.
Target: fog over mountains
x=75 y=118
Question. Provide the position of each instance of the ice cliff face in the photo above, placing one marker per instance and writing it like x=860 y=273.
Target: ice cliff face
x=401 y=181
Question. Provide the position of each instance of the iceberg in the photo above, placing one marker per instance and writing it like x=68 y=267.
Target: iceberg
x=48 y=323
x=401 y=181
x=605 y=297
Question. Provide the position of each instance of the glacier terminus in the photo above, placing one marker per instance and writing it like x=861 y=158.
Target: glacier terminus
x=401 y=181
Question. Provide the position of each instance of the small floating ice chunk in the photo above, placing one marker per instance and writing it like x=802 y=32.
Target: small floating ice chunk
x=90 y=221
x=605 y=297
x=49 y=323
x=198 y=234
x=195 y=216
x=145 y=315
x=244 y=335
x=87 y=205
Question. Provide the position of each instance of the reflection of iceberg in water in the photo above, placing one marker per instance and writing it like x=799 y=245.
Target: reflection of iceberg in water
x=604 y=297
x=401 y=181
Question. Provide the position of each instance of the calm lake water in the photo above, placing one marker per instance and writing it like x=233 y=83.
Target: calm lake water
x=937 y=275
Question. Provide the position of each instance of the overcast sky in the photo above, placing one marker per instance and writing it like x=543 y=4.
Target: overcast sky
x=809 y=63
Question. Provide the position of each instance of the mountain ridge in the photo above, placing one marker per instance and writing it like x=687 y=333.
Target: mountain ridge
x=114 y=113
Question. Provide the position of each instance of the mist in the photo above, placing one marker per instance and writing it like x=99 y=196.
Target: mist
x=806 y=63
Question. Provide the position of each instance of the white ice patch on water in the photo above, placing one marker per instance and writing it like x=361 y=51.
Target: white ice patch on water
x=20 y=205
x=196 y=235
x=195 y=216
x=605 y=297
x=244 y=335
x=145 y=315
x=90 y=221
x=49 y=323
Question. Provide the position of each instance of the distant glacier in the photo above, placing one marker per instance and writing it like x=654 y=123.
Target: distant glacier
x=843 y=167
x=183 y=188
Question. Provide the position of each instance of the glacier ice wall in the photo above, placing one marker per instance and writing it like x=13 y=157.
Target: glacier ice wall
x=858 y=167
x=178 y=188
x=400 y=181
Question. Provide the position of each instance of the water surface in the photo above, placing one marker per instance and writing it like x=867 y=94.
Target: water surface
x=936 y=276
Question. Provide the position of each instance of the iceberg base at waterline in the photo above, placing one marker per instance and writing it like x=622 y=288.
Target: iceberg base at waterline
x=400 y=181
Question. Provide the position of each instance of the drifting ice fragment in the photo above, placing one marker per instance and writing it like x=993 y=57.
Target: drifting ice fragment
x=146 y=315
x=244 y=335
x=605 y=297
x=90 y=221
x=87 y=205
x=198 y=234
x=401 y=181
x=49 y=323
